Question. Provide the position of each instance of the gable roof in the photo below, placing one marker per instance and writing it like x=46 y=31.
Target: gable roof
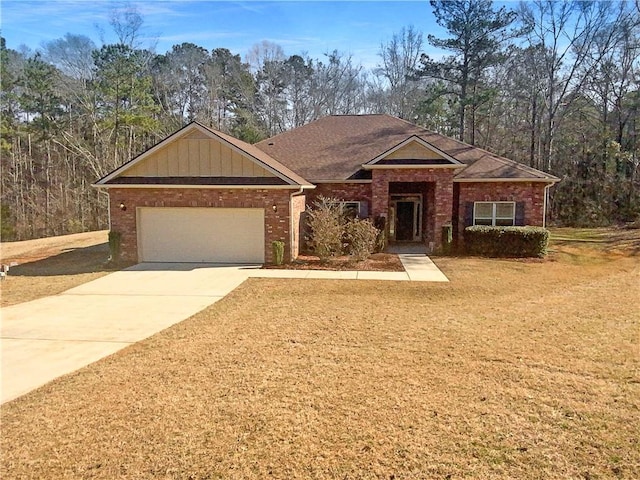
x=443 y=157
x=337 y=147
x=283 y=174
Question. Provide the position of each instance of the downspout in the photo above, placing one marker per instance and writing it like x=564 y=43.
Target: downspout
x=109 y=209
x=544 y=204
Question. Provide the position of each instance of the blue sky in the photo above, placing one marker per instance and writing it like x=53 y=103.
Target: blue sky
x=315 y=27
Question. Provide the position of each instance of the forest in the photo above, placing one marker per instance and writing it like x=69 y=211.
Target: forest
x=550 y=84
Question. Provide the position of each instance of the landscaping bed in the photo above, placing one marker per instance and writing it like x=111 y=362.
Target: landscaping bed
x=382 y=262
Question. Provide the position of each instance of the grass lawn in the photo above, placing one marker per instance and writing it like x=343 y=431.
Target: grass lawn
x=49 y=266
x=515 y=369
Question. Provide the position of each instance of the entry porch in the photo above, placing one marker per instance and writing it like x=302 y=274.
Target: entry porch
x=416 y=204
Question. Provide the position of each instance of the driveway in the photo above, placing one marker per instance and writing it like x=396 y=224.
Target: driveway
x=52 y=336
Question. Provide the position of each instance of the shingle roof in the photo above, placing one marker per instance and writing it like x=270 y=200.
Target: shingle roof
x=335 y=147
x=261 y=156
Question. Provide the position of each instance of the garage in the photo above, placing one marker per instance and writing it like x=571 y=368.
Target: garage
x=192 y=234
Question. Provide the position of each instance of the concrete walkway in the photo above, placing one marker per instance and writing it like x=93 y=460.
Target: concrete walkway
x=418 y=268
x=52 y=336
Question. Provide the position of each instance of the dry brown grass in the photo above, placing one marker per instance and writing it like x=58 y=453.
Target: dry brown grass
x=49 y=266
x=515 y=369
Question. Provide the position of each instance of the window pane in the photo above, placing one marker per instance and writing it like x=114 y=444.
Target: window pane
x=351 y=209
x=504 y=210
x=483 y=221
x=504 y=222
x=484 y=210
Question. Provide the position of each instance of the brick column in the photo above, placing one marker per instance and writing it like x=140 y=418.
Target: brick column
x=379 y=194
x=444 y=207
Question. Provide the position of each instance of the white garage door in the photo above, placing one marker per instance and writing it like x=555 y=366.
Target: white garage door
x=217 y=235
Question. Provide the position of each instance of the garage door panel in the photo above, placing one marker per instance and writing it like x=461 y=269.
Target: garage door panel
x=224 y=235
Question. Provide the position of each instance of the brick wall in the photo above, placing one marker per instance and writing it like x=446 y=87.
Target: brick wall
x=530 y=193
x=298 y=205
x=439 y=201
x=277 y=223
x=353 y=192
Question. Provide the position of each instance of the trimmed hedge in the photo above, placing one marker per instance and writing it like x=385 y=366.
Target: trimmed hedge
x=506 y=241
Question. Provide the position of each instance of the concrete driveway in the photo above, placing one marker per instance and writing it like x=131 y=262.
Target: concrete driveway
x=52 y=336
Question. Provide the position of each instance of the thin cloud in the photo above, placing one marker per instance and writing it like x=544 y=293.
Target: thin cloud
x=192 y=36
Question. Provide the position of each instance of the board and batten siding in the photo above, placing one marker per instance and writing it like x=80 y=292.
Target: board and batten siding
x=415 y=151
x=196 y=155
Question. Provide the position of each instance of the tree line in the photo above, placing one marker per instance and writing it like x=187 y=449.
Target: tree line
x=550 y=84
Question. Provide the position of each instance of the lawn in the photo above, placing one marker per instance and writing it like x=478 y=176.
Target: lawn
x=49 y=266
x=515 y=369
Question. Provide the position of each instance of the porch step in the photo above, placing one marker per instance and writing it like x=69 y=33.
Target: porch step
x=409 y=247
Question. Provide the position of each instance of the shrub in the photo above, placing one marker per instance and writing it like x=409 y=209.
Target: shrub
x=447 y=239
x=278 y=252
x=381 y=240
x=7 y=222
x=506 y=241
x=115 y=239
x=361 y=238
x=326 y=221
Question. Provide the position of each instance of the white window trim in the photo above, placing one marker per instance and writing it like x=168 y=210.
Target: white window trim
x=356 y=203
x=493 y=213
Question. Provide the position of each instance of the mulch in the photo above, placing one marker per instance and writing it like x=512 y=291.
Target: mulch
x=378 y=262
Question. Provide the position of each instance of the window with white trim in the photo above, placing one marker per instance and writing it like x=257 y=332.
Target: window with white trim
x=351 y=209
x=497 y=214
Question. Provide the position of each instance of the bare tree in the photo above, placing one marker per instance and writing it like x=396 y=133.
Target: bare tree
x=573 y=38
x=400 y=59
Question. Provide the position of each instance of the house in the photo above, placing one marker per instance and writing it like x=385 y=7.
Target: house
x=203 y=196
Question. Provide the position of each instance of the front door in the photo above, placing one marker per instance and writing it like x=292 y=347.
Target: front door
x=405 y=216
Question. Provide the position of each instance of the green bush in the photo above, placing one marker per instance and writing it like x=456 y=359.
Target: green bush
x=447 y=239
x=7 y=230
x=326 y=223
x=115 y=239
x=506 y=241
x=278 y=252
x=361 y=236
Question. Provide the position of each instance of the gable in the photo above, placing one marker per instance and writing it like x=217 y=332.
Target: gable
x=413 y=152
x=199 y=156
x=196 y=155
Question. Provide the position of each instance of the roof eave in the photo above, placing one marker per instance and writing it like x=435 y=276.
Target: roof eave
x=366 y=166
x=220 y=187
x=505 y=179
x=342 y=180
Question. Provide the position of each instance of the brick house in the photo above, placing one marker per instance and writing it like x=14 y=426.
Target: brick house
x=203 y=196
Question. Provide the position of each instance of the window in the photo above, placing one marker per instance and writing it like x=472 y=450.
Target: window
x=351 y=209
x=498 y=214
